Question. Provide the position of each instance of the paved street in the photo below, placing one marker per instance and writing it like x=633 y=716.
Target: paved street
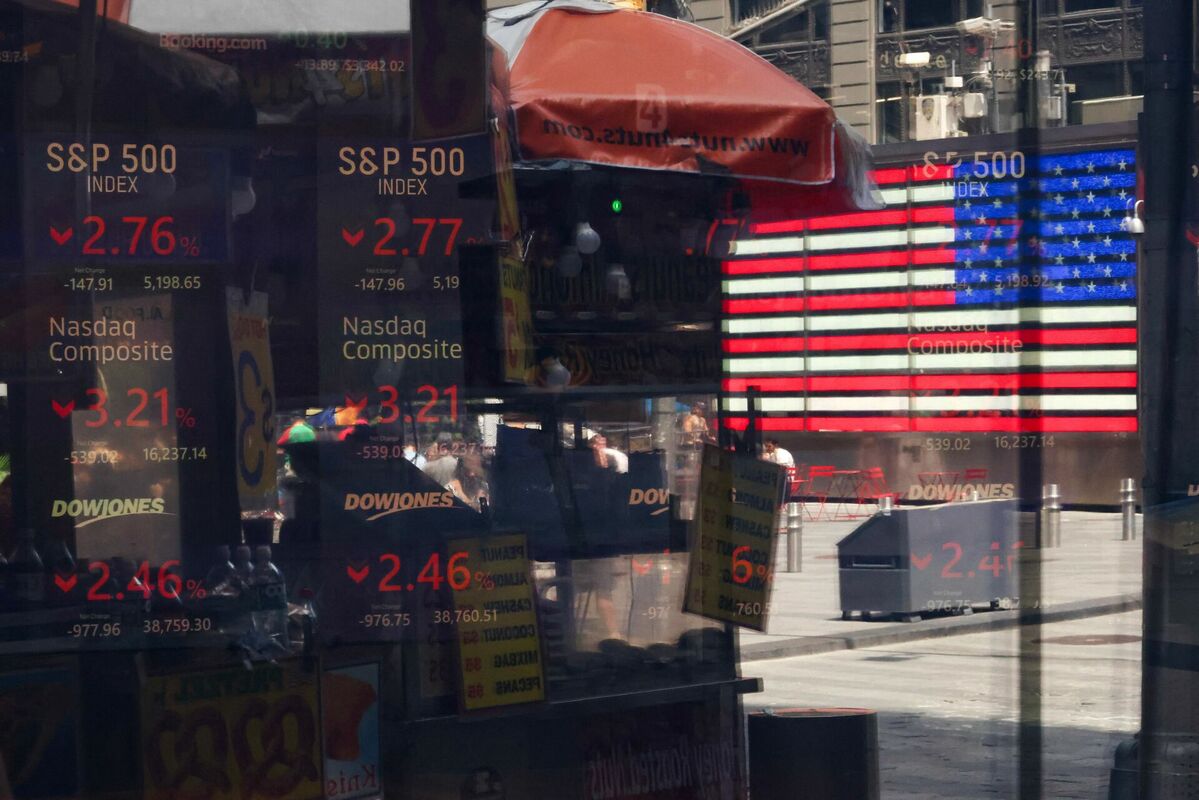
x=1091 y=565
x=948 y=707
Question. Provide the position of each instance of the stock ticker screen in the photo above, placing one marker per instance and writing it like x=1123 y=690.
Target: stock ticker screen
x=265 y=344
x=233 y=268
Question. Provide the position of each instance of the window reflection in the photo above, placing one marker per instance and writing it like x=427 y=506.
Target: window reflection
x=342 y=426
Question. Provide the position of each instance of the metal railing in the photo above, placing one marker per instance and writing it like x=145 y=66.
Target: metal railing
x=753 y=9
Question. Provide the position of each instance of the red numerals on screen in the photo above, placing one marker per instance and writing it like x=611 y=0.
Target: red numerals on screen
x=427 y=235
x=990 y=562
x=127 y=236
x=743 y=570
x=456 y=574
x=143 y=583
x=141 y=408
x=427 y=397
x=947 y=571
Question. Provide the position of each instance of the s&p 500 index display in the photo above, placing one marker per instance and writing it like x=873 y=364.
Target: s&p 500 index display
x=125 y=200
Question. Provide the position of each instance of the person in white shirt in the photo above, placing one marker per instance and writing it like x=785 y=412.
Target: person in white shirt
x=609 y=456
x=777 y=454
x=415 y=458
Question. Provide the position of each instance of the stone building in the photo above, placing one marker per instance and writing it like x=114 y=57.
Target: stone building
x=850 y=52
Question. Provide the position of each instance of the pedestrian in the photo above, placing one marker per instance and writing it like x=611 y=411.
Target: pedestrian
x=772 y=452
x=608 y=457
x=414 y=458
x=469 y=483
x=695 y=427
x=441 y=464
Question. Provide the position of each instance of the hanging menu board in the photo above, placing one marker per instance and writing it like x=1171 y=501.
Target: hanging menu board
x=732 y=557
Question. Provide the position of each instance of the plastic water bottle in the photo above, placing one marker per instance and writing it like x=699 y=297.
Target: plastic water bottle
x=26 y=573
x=222 y=578
x=243 y=569
x=270 y=593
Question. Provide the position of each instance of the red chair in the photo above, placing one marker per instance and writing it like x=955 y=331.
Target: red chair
x=818 y=492
x=874 y=487
x=794 y=483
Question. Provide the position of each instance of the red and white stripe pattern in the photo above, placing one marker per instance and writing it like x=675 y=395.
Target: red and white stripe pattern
x=937 y=314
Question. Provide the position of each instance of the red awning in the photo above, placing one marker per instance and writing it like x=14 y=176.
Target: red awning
x=594 y=83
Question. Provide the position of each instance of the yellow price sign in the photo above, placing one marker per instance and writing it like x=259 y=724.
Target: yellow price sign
x=731 y=572
x=499 y=648
x=516 y=316
x=254 y=382
x=517 y=320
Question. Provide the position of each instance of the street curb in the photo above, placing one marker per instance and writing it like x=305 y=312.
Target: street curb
x=938 y=628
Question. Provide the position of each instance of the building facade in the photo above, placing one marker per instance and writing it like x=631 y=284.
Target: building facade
x=853 y=53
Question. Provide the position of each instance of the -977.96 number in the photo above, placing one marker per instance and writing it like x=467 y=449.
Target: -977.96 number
x=94 y=630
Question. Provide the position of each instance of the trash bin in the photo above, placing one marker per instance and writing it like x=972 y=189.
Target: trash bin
x=931 y=558
x=813 y=754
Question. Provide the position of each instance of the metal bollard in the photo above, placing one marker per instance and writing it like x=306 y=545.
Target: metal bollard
x=1128 y=505
x=1051 y=516
x=794 y=537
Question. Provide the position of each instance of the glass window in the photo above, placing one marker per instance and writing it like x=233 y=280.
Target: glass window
x=888 y=16
x=820 y=26
x=929 y=13
x=890 y=110
x=387 y=416
x=1095 y=82
x=796 y=28
x=1136 y=78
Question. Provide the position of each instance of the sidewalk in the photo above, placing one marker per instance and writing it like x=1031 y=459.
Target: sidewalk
x=1092 y=573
